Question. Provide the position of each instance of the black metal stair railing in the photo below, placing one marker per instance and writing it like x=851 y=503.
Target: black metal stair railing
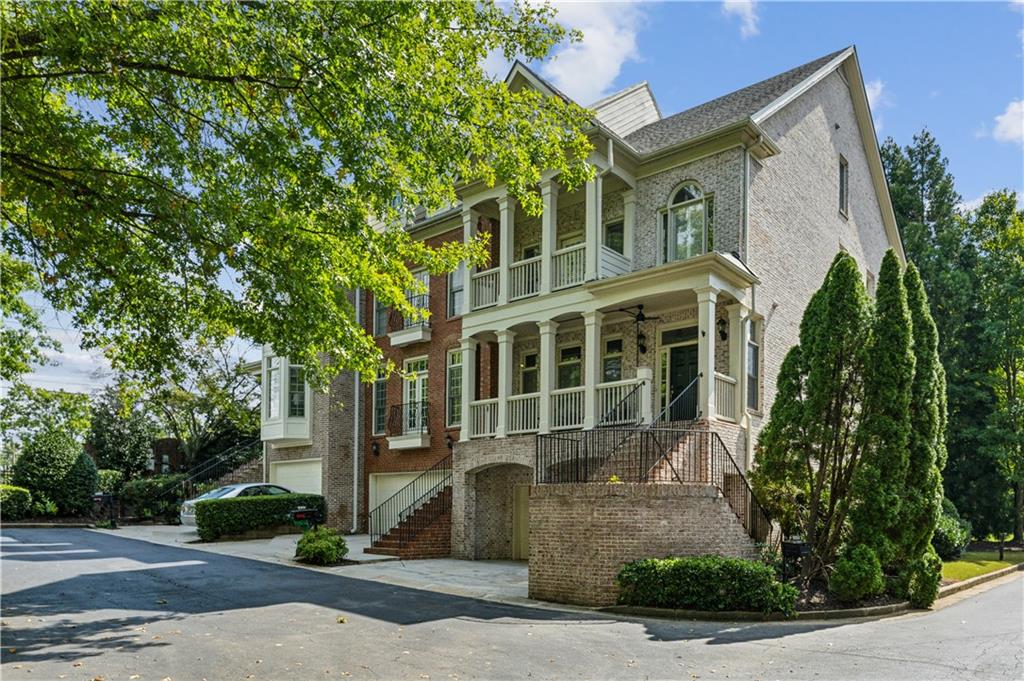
x=412 y=508
x=682 y=407
x=626 y=412
x=212 y=469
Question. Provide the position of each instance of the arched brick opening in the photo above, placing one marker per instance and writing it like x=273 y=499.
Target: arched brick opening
x=495 y=509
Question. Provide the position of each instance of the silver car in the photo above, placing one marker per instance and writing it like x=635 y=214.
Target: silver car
x=245 y=489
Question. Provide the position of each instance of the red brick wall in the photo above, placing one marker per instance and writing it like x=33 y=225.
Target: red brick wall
x=445 y=335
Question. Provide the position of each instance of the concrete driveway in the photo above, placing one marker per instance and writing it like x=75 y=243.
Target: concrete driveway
x=81 y=605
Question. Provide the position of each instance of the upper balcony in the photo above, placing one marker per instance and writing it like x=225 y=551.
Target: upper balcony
x=404 y=330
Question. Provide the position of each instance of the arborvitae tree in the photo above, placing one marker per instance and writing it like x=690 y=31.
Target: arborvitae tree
x=878 y=485
x=922 y=497
x=813 y=441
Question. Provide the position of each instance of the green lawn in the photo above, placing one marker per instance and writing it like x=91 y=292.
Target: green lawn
x=974 y=563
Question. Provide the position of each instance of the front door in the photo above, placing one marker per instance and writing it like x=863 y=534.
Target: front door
x=415 y=416
x=682 y=369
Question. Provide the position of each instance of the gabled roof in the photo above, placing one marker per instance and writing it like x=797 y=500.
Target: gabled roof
x=725 y=111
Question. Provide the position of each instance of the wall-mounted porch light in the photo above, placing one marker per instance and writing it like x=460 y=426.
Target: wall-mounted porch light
x=723 y=329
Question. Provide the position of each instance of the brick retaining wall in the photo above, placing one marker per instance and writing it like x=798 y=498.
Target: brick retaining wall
x=581 y=535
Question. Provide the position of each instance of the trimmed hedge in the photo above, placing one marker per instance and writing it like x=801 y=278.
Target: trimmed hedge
x=53 y=465
x=216 y=518
x=321 y=546
x=146 y=498
x=15 y=502
x=857 y=575
x=704 y=583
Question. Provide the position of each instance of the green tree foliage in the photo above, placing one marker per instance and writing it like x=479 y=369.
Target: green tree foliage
x=23 y=339
x=178 y=171
x=812 y=443
x=878 y=484
x=26 y=410
x=54 y=466
x=922 y=489
x=121 y=433
x=939 y=242
x=997 y=229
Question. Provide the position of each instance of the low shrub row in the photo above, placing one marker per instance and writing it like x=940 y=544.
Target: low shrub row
x=151 y=497
x=15 y=502
x=705 y=583
x=216 y=518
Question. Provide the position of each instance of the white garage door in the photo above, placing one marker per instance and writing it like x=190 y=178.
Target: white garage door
x=298 y=476
x=383 y=485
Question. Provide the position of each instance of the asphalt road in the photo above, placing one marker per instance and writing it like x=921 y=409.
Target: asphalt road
x=87 y=605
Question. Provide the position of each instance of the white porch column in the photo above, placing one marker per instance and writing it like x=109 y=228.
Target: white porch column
x=593 y=236
x=591 y=365
x=548 y=364
x=507 y=216
x=504 y=379
x=706 y=298
x=646 y=374
x=468 y=232
x=628 y=222
x=738 y=313
x=548 y=231
x=468 y=387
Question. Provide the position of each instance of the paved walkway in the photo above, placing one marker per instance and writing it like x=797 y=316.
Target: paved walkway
x=497 y=580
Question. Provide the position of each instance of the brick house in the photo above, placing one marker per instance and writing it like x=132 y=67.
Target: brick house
x=632 y=332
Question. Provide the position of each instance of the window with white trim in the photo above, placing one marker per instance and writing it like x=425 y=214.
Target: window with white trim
x=615 y=236
x=296 y=391
x=844 y=186
x=686 y=224
x=272 y=387
x=528 y=374
x=611 y=360
x=380 y=405
x=456 y=290
x=753 y=366
x=453 y=394
x=570 y=366
x=380 y=318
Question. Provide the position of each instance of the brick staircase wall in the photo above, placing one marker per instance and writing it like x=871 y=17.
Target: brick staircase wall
x=432 y=541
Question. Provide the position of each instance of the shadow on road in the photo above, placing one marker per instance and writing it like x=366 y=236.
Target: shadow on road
x=99 y=572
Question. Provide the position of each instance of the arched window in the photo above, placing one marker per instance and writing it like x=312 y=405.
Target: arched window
x=685 y=223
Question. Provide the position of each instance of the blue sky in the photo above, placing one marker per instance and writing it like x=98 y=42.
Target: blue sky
x=957 y=68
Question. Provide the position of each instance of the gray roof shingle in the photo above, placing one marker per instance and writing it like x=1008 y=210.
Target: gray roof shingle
x=724 y=111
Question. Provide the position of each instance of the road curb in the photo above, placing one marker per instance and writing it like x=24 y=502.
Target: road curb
x=46 y=526
x=964 y=585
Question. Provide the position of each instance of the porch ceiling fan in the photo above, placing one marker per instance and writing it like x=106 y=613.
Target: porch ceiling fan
x=639 y=317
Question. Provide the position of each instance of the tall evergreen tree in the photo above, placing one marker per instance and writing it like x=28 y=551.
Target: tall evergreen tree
x=879 y=483
x=812 y=441
x=922 y=500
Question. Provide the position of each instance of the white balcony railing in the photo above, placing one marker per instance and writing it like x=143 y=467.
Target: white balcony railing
x=524 y=414
x=725 y=396
x=485 y=288
x=524 y=278
x=569 y=266
x=483 y=416
x=567 y=408
x=613 y=407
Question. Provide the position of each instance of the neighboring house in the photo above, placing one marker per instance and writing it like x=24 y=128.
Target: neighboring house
x=664 y=293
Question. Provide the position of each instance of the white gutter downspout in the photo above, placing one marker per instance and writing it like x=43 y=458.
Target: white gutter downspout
x=356 y=445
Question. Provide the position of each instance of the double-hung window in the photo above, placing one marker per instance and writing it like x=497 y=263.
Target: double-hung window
x=456 y=290
x=611 y=360
x=296 y=391
x=615 y=236
x=753 y=366
x=453 y=394
x=686 y=224
x=570 y=366
x=844 y=186
x=380 y=405
x=380 y=318
x=528 y=374
x=272 y=387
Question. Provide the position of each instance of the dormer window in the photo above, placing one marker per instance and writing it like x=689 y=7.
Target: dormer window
x=685 y=223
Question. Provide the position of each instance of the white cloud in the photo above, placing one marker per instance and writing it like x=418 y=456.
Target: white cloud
x=1010 y=124
x=877 y=99
x=972 y=204
x=746 y=10
x=586 y=70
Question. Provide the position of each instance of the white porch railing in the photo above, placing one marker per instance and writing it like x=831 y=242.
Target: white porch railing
x=483 y=416
x=613 y=408
x=569 y=266
x=523 y=414
x=725 y=396
x=485 y=288
x=524 y=278
x=567 y=408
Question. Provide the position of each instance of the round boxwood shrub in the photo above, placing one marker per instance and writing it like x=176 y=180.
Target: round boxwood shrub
x=53 y=465
x=704 y=583
x=15 y=502
x=321 y=546
x=857 y=575
x=952 y=534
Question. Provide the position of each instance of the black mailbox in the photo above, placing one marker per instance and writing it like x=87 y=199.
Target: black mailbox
x=795 y=548
x=306 y=517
